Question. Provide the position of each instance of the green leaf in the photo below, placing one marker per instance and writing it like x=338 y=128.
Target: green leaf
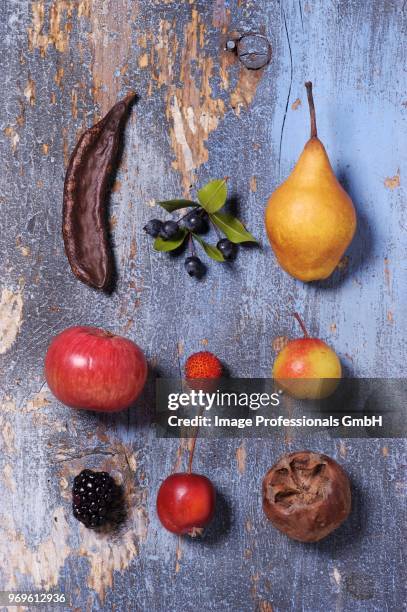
x=232 y=228
x=170 y=245
x=212 y=196
x=171 y=205
x=211 y=251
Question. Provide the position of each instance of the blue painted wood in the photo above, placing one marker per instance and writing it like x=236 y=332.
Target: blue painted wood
x=63 y=64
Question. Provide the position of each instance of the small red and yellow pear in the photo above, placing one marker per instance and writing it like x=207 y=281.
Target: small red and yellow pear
x=307 y=368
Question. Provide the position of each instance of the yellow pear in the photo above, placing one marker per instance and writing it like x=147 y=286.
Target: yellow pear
x=310 y=219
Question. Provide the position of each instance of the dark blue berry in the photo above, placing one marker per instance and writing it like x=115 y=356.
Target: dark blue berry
x=153 y=227
x=169 y=230
x=194 y=222
x=194 y=267
x=227 y=248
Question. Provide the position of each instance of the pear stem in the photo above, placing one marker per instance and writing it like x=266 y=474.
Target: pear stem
x=302 y=324
x=310 y=97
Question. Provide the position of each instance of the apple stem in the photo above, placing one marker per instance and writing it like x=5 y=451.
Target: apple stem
x=191 y=454
x=302 y=324
x=193 y=443
x=310 y=97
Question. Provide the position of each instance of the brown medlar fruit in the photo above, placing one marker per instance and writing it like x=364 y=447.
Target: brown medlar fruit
x=306 y=495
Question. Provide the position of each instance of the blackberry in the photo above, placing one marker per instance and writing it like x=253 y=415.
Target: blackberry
x=194 y=267
x=169 y=230
x=153 y=227
x=92 y=496
x=227 y=248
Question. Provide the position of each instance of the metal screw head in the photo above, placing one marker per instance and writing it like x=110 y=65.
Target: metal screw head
x=254 y=51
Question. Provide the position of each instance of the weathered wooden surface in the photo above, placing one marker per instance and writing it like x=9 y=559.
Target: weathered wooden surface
x=200 y=115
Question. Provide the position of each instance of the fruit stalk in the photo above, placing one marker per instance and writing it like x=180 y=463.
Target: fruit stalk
x=215 y=228
x=310 y=97
x=193 y=443
x=191 y=245
x=302 y=324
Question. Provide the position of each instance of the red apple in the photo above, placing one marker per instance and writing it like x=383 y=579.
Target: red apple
x=186 y=503
x=92 y=369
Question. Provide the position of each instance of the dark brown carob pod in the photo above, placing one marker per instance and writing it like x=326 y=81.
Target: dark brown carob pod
x=306 y=495
x=84 y=227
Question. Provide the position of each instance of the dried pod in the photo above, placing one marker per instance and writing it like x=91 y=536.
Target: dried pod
x=306 y=495
x=84 y=227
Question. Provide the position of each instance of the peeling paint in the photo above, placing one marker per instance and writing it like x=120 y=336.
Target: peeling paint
x=110 y=40
x=13 y=136
x=11 y=318
x=8 y=478
x=84 y=8
x=296 y=104
x=392 y=182
x=39 y=400
x=42 y=563
x=180 y=137
x=336 y=576
x=219 y=14
x=265 y=606
x=241 y=455
x=59 y=26
x=343 y=451
x=8 y=435
x=245 y=90
x=192 y=110
x=184 y=445
x=74 y=103
x=8 y=405
x=143 y=60
x=387 y=273
x=40 y=419
x=29 y=92
x=59 y=76
x=279 y=343
x=24 y=250
x=178 y=556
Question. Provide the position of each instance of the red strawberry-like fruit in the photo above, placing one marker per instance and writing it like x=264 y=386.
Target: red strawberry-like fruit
x=201 y=366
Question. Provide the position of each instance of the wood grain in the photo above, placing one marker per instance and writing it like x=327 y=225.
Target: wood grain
x=200 y=115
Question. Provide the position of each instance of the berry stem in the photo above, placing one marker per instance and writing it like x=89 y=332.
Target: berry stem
x=217 y=232
x=302 y=324
x=310 y=97
x=191 y=245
